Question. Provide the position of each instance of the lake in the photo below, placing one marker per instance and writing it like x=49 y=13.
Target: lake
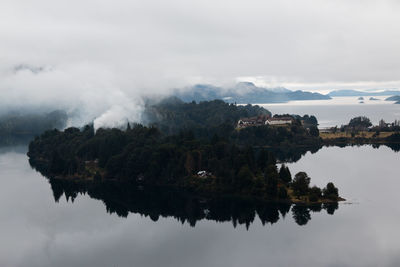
x=339 y=110
x=363 y=231
x=110 y=227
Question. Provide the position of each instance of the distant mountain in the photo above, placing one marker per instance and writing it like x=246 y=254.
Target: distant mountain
x=246 y=92
x=393 y=98
x=362 y=93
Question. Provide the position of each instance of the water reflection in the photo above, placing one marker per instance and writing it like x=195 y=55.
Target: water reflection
x=124 y=198
x=294 y=154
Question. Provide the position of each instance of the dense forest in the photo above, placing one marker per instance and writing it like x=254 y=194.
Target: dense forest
x=194 y=146
x=218 y=118
x=146 y=156
x=205 y=119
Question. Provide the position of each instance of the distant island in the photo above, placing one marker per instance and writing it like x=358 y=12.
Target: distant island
x=244 y=93
x=395 y=98
x=195 y=148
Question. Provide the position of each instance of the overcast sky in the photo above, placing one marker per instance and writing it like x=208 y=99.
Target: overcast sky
x=52 y=50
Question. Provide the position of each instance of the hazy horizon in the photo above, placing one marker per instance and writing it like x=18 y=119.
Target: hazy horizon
x=98 y=58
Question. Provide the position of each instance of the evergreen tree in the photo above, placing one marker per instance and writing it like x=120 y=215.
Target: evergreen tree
x=300 y=184
x=330 y=191
x=284 y=174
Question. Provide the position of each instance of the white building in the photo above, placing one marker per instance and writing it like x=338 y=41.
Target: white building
x=279 y=121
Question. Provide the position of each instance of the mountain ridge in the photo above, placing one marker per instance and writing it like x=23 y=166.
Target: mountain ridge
x=245 y=92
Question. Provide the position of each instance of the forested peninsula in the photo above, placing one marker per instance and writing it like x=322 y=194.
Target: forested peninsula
x=194 y=147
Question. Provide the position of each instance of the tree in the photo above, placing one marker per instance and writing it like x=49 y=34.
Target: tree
x=57 y=163
x=360 y=122
x=301 y=214
x=97 y=176
x=282 y=192
x=300 y=184
x=189 y=163
x=314 y=131
x=271 y=183
x=315 y=193
x=330 y=191
x=244 y=177
x=284 y=174
x=262 y=159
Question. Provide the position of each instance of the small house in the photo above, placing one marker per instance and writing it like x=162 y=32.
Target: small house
x=278 y=121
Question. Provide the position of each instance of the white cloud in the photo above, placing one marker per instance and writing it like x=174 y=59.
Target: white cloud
x=94 y=48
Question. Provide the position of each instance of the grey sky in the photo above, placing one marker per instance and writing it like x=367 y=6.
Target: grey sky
x=102 y=47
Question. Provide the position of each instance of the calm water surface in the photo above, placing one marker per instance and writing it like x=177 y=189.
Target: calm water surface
x=339 y=110
x=37 y=231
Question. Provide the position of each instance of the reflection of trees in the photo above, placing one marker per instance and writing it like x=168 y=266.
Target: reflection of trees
x=331 y=207
x=294 y=153
x=301 y=214
x=123 y=198
x=394 y=147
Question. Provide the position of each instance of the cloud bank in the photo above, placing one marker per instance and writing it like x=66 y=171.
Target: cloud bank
x=97 y=58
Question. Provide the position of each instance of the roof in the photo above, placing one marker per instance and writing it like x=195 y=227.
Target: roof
x=281 y=119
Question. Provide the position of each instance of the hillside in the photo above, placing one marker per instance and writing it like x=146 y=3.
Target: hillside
x=393 y=98
x=244 y=93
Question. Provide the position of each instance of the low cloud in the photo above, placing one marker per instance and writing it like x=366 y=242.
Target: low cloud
x=83 y=55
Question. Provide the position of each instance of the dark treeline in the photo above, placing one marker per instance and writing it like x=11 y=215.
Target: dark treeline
x=209 y=118
x=144 y=154
x=205 y=119
x=147 y=156
x=277 y=137
x=207 y=154
x=362 y=123
x=156 y=202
